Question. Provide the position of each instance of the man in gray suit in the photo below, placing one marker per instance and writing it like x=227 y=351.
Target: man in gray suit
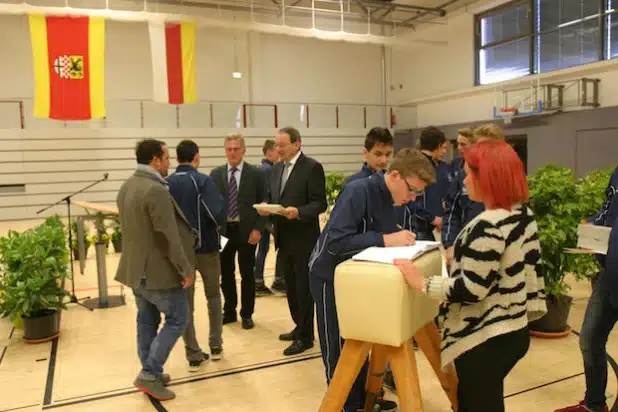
x=157 y=263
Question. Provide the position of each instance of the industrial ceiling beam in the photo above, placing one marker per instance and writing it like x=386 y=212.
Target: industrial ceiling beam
x=370 y=4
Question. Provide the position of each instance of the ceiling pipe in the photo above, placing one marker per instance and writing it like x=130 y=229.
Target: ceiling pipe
x=144 y=16
x=292 y=10
x=405 y=7
x=441 y=6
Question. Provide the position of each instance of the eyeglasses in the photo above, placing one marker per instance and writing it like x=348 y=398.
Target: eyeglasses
x=411 y=188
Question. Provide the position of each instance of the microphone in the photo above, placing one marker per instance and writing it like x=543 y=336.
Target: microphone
x=105 y=176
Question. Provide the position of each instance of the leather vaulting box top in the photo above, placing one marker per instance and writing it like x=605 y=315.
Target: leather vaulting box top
x=375 y=304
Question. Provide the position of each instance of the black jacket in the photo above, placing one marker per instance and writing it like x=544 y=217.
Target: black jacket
x=252 y=190
x=305 y=190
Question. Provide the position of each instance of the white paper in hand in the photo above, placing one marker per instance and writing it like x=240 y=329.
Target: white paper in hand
x=224 y=241
x=388 y=254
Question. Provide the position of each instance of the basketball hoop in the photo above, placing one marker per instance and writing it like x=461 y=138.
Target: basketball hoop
x=506 y=114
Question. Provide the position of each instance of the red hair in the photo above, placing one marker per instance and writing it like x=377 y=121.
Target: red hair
x=499 y=173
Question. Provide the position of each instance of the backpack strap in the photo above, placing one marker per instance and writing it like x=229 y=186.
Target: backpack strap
x=202 y=203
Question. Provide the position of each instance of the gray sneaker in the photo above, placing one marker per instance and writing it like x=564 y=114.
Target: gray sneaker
x=154 y=388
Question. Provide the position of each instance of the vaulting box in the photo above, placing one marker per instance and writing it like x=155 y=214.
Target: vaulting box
x=375 y=304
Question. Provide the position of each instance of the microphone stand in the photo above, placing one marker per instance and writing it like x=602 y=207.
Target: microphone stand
x=67 y=199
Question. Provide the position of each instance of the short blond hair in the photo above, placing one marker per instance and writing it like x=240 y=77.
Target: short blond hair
x=468 y=133
x=489 y=131
x=235 y=137
x=412 y=162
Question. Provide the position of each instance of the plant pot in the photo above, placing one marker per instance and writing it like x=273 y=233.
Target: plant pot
x=42 y=328
x=117 y=245
x=554 y=323
x=76 y=252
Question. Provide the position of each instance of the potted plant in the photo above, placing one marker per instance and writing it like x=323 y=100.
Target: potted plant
x=556 y=197
x=334 y=183
x=74 y=245
x=117 y=237
x=593 y=187
x=34 y=267
x=101 y=236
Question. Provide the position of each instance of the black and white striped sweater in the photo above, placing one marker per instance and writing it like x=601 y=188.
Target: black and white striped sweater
x=495 y=286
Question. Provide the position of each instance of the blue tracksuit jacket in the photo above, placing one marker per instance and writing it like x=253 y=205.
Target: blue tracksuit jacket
x=459 y=210
x=362 y=215
x=404 y=215
x=203 y=220
x=429 y=205
x=606 y=216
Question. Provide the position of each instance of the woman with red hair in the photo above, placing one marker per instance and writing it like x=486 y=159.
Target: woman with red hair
x=494 y=287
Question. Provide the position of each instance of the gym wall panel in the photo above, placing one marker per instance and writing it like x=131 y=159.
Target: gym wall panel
x=51 y=167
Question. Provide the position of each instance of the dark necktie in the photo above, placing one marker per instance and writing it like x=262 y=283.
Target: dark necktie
x=233 y=195
x=285 y=176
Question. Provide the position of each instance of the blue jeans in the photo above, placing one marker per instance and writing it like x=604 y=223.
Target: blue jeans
x=599 y=321
x=260 y=262
x=154 y=349
x=260 y=259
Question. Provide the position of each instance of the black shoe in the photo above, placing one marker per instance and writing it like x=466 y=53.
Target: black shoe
x=216 y=353
x=194 y=365
x=298 y=346
x=389 y=381
x=279 y=287
x=387 y=406
x=229 y=318
x=262 y=290
x=287 y=337
x=247 y=323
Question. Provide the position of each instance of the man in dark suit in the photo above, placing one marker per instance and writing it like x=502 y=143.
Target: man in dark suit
x=157 y=263
x=242 y=185
x=298 y=184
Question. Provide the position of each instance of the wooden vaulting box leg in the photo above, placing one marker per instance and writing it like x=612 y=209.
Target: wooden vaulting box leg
x=378 y=311
x=405 y=372
x=351 y=361
x=428 y=340
x=375 y=376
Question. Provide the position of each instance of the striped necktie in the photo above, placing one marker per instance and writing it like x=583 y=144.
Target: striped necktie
x=232 y=209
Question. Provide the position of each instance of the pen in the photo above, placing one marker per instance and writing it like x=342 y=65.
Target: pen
x=399 y=227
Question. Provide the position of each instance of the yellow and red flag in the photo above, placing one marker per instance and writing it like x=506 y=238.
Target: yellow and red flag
x=68 y=54
x=172 y=47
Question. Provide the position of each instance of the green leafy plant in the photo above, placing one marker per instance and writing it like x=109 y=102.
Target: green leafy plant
x=34 y=266
x=334 y=183
x=74 y=234
x=560 y=202
x=116 y=234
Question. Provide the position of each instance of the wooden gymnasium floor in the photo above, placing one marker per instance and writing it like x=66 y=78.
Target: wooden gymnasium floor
x=93 y=363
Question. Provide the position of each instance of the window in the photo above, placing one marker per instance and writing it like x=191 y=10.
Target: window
x=503 y=40
x=537 y=36
x=611 y=30
x=569 y=33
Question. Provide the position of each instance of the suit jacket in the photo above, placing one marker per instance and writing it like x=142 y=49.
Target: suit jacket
x=157 y=239
x=252 y=190
x=305 y=190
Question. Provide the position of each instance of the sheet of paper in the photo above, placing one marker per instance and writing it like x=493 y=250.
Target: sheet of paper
x=592 y=237
x=224 y=241
x=388 y=254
